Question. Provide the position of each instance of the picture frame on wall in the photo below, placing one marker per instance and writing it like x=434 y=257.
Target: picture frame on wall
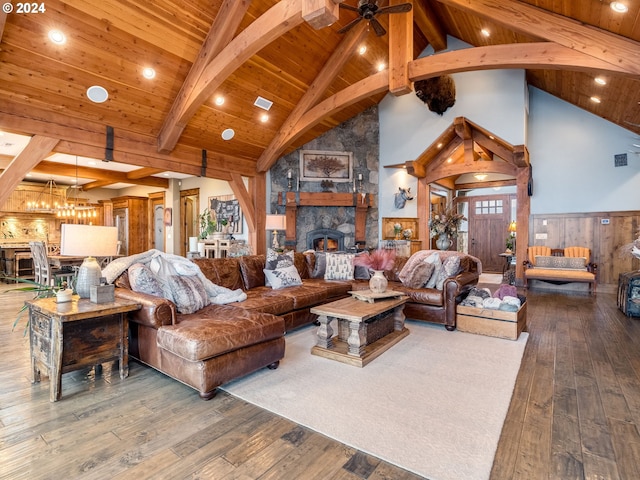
x=227 y=207
x=320 y=165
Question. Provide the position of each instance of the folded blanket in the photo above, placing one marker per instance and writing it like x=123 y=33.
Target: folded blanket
x=183 y=266
x=421 y=255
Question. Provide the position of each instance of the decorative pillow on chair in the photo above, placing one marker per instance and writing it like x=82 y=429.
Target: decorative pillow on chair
x=339 y=266
x=571 y=263
x=143 y=280
x=283 y=277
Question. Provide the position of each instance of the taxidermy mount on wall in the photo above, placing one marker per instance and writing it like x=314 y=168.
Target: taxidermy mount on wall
x=402 y=196
x=439 y=93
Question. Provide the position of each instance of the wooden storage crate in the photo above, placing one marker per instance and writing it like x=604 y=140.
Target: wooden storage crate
x=494 y=323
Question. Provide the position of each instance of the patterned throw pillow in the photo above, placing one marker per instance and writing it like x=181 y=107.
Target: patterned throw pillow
x=188 y=292
x=283 y=277
x=450 y=268
x=278 y=260
x=571 y=263
x=339 y=266
x=143 y=280
x=434 y=258
x=419 y=275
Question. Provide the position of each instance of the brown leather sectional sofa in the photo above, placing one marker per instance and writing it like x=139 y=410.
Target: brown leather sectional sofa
x=218 y=343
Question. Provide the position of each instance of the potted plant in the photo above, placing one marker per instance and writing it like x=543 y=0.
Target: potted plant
x=509 y=244
x=207 y=224
x=445 y=226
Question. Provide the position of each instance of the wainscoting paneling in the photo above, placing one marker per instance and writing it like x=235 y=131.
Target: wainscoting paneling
x=588 y=229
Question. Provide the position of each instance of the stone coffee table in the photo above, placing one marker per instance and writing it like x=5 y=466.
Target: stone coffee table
x=367 y=326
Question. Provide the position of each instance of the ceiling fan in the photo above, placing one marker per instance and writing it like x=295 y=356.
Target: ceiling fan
x=368 y=11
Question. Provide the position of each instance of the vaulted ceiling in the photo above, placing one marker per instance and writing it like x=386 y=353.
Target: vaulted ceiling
x=288 y=52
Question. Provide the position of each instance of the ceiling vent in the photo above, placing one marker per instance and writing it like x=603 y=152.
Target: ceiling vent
x=263 y=103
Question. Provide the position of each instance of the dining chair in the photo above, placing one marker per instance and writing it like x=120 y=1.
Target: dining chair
x=44 y=273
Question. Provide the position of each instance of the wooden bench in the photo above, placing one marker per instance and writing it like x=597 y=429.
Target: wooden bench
x=545 y=264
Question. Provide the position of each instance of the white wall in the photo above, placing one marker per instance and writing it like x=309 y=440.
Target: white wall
x=493 y=99
x=571 y=152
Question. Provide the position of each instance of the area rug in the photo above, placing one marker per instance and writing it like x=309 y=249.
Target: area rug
x=433 y=404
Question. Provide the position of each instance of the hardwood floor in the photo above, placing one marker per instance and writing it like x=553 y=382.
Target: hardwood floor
x=575 y=414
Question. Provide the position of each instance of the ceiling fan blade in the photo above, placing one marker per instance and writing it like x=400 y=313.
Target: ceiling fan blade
x=379 y=29
x=349 y=25
x=348 y=7
x=403 y=7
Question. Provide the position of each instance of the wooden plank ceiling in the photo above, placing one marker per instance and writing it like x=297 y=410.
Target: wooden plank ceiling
x=315 y=77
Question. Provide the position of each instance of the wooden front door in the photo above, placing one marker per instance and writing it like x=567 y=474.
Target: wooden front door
x=489 y=218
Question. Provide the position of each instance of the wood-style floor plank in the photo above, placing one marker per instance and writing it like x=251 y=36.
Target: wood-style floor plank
x=574 y=414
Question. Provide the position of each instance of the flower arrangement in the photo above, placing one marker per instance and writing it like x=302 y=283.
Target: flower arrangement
x=381 y=259
x=397 y=228
x=407 y=233
x=447 y=222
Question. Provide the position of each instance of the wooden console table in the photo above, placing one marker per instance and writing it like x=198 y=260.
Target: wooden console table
x=69 y=336
x=365 y=330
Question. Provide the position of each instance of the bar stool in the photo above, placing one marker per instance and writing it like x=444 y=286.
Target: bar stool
x=211 y=249
x=223 y=248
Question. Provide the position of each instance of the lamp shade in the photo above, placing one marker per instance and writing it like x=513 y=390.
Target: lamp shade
x=276 y=222
x=88 y=240
x=512 y=226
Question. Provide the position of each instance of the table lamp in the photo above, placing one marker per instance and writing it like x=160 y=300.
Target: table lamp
x=88 y=241
x=512 y=233
x=275 y=223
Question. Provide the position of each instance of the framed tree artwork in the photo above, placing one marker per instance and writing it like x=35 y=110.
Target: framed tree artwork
x=319 y=165
x=226 y=207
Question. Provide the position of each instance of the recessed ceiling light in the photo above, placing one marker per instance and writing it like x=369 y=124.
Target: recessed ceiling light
x=485 y=32
x=91 y=162
x=219 y=100
x=264 y=118
x=165 y=174
x=449 y=160
x=228 y=134
x=29 y=174
x=595 y=99
x=480 y=176
x=97 y=94
x=381 y=66
x=57 y=37
x=600 y=81
x=619 y=7
x=149 y=73
x=362 y=50
x=439 y=145
x=263 y=103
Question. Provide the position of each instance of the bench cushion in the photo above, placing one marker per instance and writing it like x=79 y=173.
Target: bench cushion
x=217 y=329
x=555 y=274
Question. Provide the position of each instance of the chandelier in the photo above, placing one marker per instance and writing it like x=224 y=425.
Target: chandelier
x=48 y=199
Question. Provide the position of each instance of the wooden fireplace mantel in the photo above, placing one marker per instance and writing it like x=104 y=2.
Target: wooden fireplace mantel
x=293 y=200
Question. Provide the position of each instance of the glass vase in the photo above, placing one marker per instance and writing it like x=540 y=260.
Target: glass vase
x=443 y=242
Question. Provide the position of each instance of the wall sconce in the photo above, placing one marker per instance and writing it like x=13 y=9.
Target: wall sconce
x=289 y=180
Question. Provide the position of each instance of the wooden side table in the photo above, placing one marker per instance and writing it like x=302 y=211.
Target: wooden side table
x=69 y=336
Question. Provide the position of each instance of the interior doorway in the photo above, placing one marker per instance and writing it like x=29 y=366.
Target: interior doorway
x=189 y=207
x=489 y=217
x=157 y=235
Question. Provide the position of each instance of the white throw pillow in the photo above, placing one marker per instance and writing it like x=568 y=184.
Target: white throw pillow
x=283 y=277
x=339 y=266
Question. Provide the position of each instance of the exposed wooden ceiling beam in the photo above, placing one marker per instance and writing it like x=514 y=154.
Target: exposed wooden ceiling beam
x=547 y=55
x=220 y=34
x=108 y=176
x=320 y=13
x=38 y=147
x=426 y=21
x=400 y=51
x=3 y=21
x=522 y=17
x=278 y=20
x=331 y=68
x=143 y=172
x=86 y=138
